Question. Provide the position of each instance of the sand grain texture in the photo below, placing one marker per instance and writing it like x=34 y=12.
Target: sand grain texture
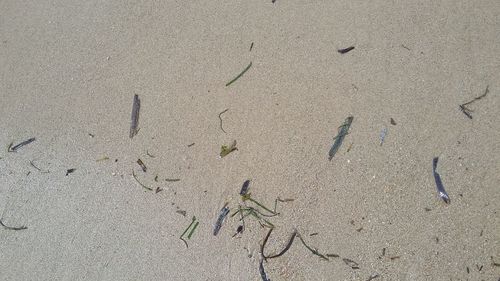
x=71 y=68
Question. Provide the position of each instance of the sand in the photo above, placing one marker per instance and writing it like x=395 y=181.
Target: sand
x=70 y=69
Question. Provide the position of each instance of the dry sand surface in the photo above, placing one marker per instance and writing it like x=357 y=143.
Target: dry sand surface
x=69 y=71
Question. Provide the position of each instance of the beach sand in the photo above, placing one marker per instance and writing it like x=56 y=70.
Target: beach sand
x=70 y=69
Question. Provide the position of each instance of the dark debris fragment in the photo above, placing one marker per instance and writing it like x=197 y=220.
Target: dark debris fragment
x=332 y=255
x=346 y=50
x=14 y=148
x=467 y=111
x=134 y=123
x=69 y=171
x=439 y=184
x=244 y=188
x=262 y=271
x=220 y=220
x=12 y=227
x=143 y=167
x=351 y=263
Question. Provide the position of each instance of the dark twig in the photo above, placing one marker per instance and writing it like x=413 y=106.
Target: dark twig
x=287 y=247
x=13 y=228
x=467 y=111
x=346 y=50
x=220 y=118
x=143 y=167
x=480 y=97
x=172 y=180
x=17 y=146
x=265 y=242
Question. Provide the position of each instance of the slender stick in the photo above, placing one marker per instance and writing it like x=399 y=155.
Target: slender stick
x=140 y=183
x=468 y=111
x=287 y=247
x=172 y=179
x=480 y=97
x=17 y=146
x=346 y=50
x=239 y=75
x=143 y=167
x=13 y=228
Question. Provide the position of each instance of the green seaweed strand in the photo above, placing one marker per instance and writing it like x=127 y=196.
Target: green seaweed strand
x=239 y=75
